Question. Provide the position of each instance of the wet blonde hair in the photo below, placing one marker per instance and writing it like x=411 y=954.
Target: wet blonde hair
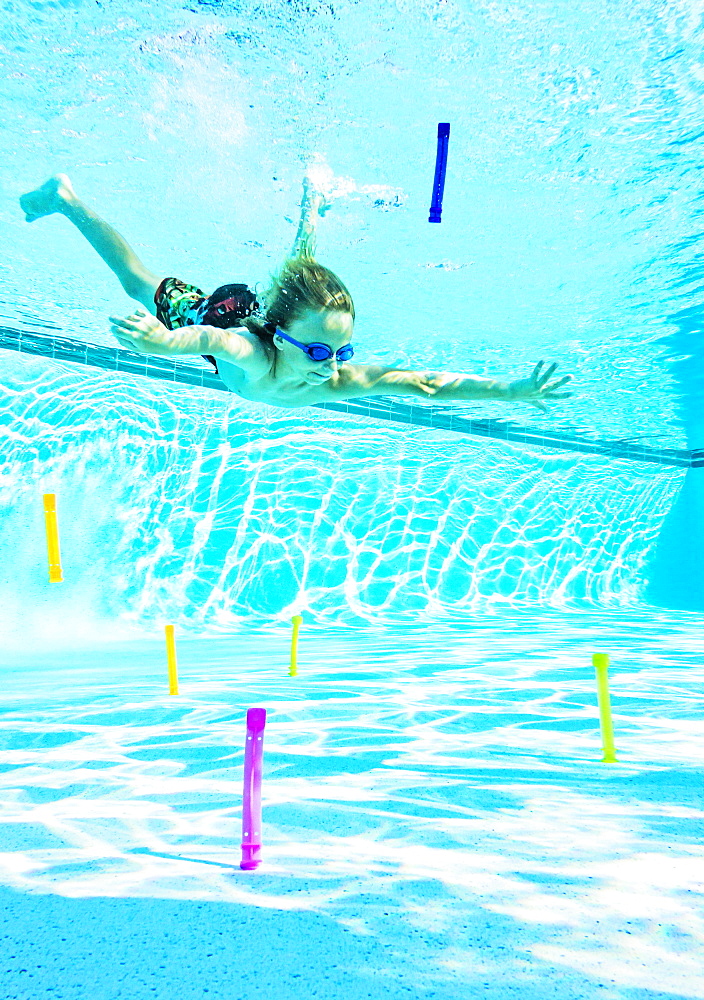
x=301 y=283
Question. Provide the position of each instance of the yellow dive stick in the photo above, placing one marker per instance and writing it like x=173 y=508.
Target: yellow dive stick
x=601 y=665
x=171 y=658
x=297 y=620
x=52 y=538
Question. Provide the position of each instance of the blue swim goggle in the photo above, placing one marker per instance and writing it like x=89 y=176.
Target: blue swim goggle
x=319 y=352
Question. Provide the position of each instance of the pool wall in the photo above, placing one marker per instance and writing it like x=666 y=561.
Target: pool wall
x=676 y=574
x=209 y=511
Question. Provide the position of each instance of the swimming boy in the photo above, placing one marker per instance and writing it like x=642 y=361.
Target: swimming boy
x=294 y=349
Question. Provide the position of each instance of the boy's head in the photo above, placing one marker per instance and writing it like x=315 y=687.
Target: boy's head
x=328 y=328
x=312 y=305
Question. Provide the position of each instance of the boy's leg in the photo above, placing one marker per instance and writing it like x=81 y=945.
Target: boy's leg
x=313 y=205
x=57 y=195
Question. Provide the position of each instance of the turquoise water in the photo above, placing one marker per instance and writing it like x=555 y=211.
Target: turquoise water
x=437 y=821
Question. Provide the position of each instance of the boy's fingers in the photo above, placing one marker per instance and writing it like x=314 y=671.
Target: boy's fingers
x=544 y=376
x=124 y=324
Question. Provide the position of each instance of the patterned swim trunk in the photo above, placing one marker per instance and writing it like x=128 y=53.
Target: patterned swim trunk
x=180 y=304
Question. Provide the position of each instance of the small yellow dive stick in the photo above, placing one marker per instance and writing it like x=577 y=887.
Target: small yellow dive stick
x=297 y=621
x=52 y=538
x=601 y=665
x=171 y=658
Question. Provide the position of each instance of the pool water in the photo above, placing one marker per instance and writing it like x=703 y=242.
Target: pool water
x=437 y=818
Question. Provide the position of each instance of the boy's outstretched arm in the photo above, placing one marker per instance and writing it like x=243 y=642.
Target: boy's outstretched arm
x=374 y=380
x=145 y=334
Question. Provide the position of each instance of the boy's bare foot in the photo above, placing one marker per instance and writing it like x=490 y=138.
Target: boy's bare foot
x=313 y=196
x=47 y=199
x=324 y=203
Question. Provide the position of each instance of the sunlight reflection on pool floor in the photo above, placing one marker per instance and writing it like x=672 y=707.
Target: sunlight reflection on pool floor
x=429 y=782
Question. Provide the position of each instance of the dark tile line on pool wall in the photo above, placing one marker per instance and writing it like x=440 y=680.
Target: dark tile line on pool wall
x=377 y=408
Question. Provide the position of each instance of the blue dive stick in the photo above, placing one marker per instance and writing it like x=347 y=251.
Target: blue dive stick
x=440 y=165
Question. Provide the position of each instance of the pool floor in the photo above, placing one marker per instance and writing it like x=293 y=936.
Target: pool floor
x=437 y=821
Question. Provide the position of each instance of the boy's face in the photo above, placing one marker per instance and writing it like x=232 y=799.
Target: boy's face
x=332 y=328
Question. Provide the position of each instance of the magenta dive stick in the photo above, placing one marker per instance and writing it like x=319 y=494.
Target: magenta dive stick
x=252 y=794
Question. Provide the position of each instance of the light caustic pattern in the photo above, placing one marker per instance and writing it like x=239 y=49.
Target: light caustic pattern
x=449 y=780
x=212 y=511
x=565 y=128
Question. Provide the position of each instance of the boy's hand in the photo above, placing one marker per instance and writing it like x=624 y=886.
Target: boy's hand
x=535 y=389
x=143 y=333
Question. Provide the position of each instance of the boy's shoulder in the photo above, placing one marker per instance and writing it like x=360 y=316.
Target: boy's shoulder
x=240 y=347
